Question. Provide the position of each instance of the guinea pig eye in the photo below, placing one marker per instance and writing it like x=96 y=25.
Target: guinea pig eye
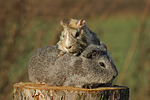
x=77 y=34
x=102 y=64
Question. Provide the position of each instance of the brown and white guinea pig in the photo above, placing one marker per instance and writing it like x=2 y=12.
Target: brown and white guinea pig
x=75 y=37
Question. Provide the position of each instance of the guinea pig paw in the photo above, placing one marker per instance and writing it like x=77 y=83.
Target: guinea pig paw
x=76 y=54
x=87 y=86
x=61 y=54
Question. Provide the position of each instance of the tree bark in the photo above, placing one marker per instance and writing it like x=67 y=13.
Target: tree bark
x=33 y=91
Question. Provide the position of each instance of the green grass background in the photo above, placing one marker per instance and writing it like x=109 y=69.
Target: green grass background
x=117 y=33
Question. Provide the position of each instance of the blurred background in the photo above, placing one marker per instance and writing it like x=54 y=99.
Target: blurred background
x=124 y=25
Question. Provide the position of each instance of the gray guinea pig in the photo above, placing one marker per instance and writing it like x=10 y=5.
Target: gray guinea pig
x=93 y=68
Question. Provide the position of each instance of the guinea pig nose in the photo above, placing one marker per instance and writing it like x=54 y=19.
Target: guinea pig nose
x=114 y=76
x=69 y=47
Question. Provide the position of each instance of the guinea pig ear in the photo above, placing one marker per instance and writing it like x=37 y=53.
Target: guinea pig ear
x=62 y=23
x=91 y=54
x=81 y=23
x=103 y=45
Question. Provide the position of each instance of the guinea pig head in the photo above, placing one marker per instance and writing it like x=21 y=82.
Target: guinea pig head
x=100 y=65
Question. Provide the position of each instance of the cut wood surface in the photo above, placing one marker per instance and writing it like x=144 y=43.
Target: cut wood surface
x=33 y=91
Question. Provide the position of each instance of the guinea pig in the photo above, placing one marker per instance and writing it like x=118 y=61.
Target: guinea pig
x=75 y=37
x=93 y=68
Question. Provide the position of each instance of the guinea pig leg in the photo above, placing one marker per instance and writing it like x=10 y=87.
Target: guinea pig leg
x=87 y=86
x=61 y=53
x=77 y=54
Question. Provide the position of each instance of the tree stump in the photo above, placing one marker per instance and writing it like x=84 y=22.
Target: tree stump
x=33 y=91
